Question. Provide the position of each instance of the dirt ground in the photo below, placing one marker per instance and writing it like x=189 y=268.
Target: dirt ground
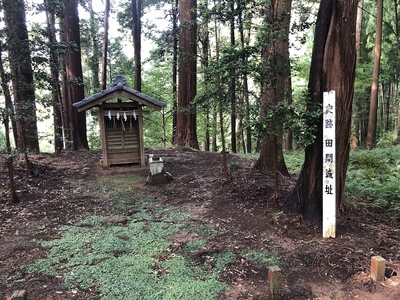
x=313 y=267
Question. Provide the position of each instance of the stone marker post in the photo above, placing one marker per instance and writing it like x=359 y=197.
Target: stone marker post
x=377 y=268
x=19 y=295
x=275 y=282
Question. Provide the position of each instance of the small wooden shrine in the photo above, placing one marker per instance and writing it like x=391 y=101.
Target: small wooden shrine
x=121 y=121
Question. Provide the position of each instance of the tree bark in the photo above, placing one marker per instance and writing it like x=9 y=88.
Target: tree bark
x=137 y=32
x=185 y=134
x=10 y=161
x=6 y=113
x=55 y=85
x=355 y=140
x=373 y=106
x=359 y=28
x=204 y=37
x=244 y=60
x=105 y=46
x=398 y=121
x=74 y=77
x=332 y=68
x=275 y=55
x=397 y=28
x=249 y=145
x=65 y=107
x=232 y=85
x=289 y=132
x=225 y=172
x=21 y=75
x=94 y=60
x=175 y=29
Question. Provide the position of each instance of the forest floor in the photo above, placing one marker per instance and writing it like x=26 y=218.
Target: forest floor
x=313 y=267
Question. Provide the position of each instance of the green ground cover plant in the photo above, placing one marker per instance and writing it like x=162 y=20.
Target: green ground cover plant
x=262 y=257
x=373 y=177
x=129 y=257
x=119 y=256
x=129 y=253
x=294 y=160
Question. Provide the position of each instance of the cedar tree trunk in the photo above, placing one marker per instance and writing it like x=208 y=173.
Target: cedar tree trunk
x=21 y=75
x=185 y=134
x=175 y=29
x=55 y=85
x=105 y=46
x=275 y=88
x=74 y=78
x=373 y=106
x=136 y=32
x=6 y=113
x=332 y=68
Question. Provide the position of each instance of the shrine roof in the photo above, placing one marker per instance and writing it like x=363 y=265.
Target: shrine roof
x=118 y=89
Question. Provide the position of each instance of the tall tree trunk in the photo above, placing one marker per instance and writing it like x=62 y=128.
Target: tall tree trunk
x=21 y=75
x=105 y=46
x=240 y=136
x=332 y=68
x=275 y=55
x=397 y=21
x=137 y=32
x=232 y=85
x=355 y=140
x=185 y=133
x=175 y=29
x=65 y=108
x=225 y=172
x=55 y=85
x=214 y=104
x=6 y=113
x=214 y=130
x=244 y=60
x=94 y=60
x=240 y=132
x=10 y=161
x=373 y=106
x=289 y=99
x=359 y=28
x=74 y=78
x=398 y=120
x=389 y=108
x=247 y=108
x=380 y=121
x=205 y=43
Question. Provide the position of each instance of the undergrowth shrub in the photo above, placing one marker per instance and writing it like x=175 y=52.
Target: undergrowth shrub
x=234 y=166
x=388 y=139
x=262 y=257
x=373 y=178
x=294 y=160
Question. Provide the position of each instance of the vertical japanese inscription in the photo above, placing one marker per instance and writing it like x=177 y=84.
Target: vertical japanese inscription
x=329 y=159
